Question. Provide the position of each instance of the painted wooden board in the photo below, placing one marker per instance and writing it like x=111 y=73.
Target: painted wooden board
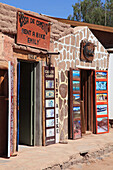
x=75 y=108
x=101 y=102
x=49 y=105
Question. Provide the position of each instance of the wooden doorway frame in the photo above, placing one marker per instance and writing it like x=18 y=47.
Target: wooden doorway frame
x=87 y=88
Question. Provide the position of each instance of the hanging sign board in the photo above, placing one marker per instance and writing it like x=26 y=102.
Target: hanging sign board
x=49 y=93
x=101 y=96
x=33 y=31
x=11 y=108
x=75 y=111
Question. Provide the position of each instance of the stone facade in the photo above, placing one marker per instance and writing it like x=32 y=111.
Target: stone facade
x=69 y=47
x=100 y=56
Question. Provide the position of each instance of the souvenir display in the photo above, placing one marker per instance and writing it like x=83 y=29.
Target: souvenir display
x=101 y=97
x=101 y=75
x=49 y=103
x=76 y=85
x=101 y=85
x=101 y=82
x=50 y=132
x=76 y=129
x=76 y=98
x=49 y=113
x=102 y=125
x=76 y=112
x=76 y=74
x=49 y=122
x=49 y=93
x=102 y=109
x=50 y=84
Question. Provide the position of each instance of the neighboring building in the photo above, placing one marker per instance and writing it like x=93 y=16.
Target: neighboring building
x=53 y=80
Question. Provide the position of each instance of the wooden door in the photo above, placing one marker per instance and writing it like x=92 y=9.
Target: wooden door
x=3 y=112
x=87 y=97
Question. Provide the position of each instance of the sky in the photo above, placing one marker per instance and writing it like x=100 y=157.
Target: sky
x=55 y=8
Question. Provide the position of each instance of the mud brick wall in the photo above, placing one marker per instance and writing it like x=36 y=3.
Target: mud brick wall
x=6 y=54
x=69 y=47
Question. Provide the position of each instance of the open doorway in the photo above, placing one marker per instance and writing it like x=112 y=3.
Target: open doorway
x=3 y=112
x=26 y=104
x=87 y=96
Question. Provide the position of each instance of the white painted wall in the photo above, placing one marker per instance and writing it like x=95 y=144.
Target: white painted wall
x=110 y=86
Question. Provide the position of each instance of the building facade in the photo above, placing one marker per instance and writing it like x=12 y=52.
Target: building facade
x=38 y=59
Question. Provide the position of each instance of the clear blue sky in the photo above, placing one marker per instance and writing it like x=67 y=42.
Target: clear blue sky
x=56 y=8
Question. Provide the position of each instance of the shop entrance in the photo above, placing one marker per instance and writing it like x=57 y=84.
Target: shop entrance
x=25 y=103
x=3 y=112
x=87 y=96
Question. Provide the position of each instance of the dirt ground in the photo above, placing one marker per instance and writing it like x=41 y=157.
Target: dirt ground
x=101 y=163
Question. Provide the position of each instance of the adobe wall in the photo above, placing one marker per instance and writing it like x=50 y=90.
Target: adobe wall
x=6 y=54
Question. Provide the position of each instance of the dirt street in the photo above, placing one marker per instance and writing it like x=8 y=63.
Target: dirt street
x=101 y=163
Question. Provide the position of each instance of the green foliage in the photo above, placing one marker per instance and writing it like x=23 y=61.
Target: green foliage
x=93 y=11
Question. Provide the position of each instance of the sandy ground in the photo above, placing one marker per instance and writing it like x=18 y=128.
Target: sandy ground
x=102 y=163
x=60 y=155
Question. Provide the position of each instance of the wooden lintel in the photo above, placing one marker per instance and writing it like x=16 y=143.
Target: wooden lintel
x=4 y=65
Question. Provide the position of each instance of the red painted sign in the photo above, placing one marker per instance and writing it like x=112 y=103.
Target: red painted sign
x=33 y=31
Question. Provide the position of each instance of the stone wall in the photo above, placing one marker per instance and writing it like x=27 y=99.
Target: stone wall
x=100 y=61
x=69 y=48
x=66 y=59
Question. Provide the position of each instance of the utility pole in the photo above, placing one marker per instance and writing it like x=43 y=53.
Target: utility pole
x=105 y=12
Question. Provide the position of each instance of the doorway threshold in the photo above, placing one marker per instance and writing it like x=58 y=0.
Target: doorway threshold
x=87 y=133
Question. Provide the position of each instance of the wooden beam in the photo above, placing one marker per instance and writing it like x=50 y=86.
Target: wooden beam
x=90 y=26
x=4 y=65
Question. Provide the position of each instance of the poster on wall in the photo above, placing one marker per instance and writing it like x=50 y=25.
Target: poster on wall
x=101 y=75
x=76 y=85
x=49 y=113
x=102 y=124
x=76 y=74
x=76 y=99
x=50 y=84
x=76 y=129
x=49 y=103
x=49 y=93
x=101 y=107
x=50 y=132
x=49 y=122
x=101 y=85
x=76 y=112
x=101 y=97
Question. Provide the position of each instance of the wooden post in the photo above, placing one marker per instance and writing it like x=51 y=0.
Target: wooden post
x=82 y=116
x=43 y=105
